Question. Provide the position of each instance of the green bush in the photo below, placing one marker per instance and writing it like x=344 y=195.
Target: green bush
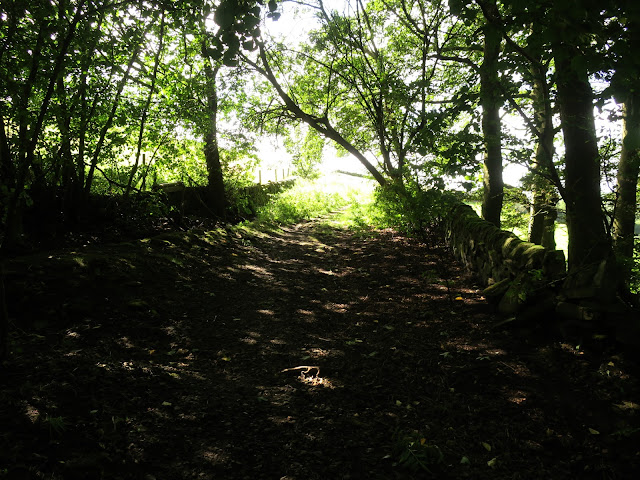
x=410 y=209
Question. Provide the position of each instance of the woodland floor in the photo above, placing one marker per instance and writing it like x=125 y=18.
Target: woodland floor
x=310 y=352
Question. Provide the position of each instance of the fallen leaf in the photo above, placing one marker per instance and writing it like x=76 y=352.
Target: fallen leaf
x=594 y=432
x=486 y=446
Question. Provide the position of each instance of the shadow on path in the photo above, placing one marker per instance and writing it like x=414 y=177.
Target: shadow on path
x=304 y=353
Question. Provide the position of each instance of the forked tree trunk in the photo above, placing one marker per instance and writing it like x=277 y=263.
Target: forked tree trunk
x=321 y=125
x=589 y=244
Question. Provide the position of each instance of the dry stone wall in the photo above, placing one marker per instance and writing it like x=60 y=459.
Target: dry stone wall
x=519 y=276
x=529 y=283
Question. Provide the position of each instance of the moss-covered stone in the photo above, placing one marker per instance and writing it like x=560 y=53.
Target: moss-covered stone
x=493 y=293
x=518 y=269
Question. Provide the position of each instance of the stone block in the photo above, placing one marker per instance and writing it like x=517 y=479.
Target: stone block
x=554 y=264
x=494 y=293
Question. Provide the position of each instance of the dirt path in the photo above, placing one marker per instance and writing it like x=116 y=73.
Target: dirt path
x=307 y=353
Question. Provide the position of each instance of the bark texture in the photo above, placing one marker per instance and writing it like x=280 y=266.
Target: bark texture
x=4 y=319
x=491 y=101
x=543 y=207
x=588 y=239
x=217 y=199
x=628 y=170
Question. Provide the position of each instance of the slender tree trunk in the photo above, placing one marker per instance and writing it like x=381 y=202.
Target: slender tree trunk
x=107 y=125
x=628 y=169
x=543 y=208
x=4 y=318
x=7 y=170
x=491 y=101
x=145 y=110
x=215 y=187
x=588 y=240
x=65 y=174
x=29 y=132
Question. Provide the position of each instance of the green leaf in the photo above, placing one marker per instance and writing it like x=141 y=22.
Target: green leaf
x=464 y=461
x=486 y=446
x=224 y=16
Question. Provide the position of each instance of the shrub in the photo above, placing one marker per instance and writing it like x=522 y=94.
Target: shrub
x=410 y=209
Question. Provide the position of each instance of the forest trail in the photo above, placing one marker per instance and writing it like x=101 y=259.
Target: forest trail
x=308 y=352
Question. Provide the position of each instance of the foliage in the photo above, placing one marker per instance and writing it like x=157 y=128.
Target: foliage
x=515 y=212
x=304 y=201
x=357 y=82
x=306 y=149
x=416 y=454
x=100 y=97
x=411 y=209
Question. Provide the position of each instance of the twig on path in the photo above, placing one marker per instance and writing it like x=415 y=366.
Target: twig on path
x=306 y=368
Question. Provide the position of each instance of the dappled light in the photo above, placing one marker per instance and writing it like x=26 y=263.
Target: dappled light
x=237 y=247
x=302 y=339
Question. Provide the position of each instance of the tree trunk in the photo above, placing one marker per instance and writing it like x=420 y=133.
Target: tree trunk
x=543 y=207
x=491 y=101
x=107 y=125
x=215 y=188
x=7 y=171
x=589 y=243
x=628 y=169
x=4 y=319
x=145 y=110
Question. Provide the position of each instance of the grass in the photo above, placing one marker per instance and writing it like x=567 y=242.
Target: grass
x=351 y=201
x=313 y=199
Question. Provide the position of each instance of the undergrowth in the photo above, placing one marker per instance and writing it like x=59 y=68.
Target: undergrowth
x=359 y=205
x=362 y=207
x=306 y=200
x=410 y=209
